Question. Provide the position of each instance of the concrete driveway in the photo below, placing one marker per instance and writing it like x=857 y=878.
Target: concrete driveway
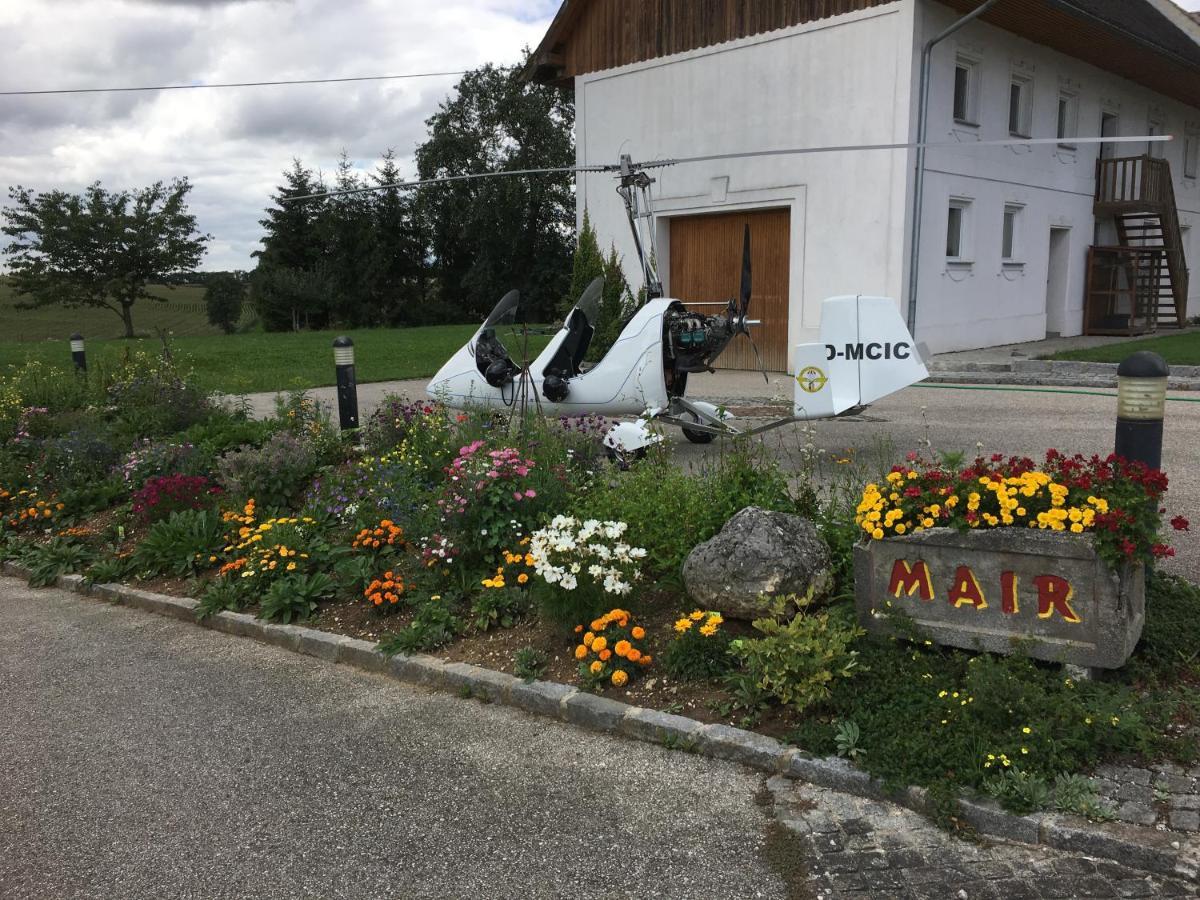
x=144 y=757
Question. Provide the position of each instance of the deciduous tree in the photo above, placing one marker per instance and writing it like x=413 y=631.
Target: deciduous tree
x=99 y=248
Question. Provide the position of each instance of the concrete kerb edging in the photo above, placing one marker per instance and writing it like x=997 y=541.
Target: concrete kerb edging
x=1164 y=853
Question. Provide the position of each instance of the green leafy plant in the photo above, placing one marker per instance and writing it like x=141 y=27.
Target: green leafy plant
x=1018 y=790
x=219 y=595
x=180 y=545
x=108 y=570
x=433 y=625
x=700 y=649
x=275 y=474
x=1076 y=794
x=846 y=737
x=529 y=664
x=796 y=662
x=501 y=608
x=56 y=557
x=295 y=597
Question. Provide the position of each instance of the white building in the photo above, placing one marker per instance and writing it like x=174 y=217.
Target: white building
x=1005 y=231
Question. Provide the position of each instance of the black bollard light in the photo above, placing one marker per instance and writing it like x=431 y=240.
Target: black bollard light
x=1141 y=406
x=347 y=386
x=77 y=354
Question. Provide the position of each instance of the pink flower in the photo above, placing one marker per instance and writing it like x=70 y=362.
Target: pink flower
x=516 y=495
x=530 y=493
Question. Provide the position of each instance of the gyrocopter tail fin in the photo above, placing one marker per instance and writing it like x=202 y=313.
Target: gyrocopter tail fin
x=865 y=353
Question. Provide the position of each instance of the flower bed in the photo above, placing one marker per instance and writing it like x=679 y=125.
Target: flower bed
x=460 y=533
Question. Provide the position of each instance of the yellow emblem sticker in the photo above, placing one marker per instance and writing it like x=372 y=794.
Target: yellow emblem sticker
x=811 y=379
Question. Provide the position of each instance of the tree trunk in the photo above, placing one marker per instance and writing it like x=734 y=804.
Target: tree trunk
x=127 y=317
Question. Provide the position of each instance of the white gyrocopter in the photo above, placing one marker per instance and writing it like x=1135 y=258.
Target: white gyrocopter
x=864 y=353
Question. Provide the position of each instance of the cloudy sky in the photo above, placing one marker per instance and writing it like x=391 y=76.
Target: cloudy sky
x=233 y=144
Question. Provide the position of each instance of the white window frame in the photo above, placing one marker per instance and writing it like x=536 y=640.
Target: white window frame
x=1109 y=151
x=1066 y=126
x=1024 y=112
x=964 y=207
x=1156 y=125
x=1191 y=154
x=1013 y=257
x=971 y=100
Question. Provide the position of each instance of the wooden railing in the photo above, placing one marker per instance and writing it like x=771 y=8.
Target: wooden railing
x=1133 y=181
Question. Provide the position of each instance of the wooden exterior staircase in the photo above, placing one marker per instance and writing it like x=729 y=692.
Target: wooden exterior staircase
x=1141 y=284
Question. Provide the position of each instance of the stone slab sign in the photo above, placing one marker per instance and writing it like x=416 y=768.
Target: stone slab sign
x=1041 y=593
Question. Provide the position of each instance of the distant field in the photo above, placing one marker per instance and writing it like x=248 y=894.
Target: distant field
x=182 y=314
x=1176 y=349
x=247 y=363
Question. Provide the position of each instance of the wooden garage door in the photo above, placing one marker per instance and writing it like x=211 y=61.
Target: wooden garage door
x=706 y=265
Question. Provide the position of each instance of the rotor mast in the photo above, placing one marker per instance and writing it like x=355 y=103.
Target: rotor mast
x=634 y=188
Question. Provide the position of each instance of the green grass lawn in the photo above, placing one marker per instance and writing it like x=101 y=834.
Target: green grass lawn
x=237 y=363
x=182 y=314
x=247 y=363
x=1176 y=349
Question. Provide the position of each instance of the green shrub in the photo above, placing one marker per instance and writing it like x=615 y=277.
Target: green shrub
x=109 y=570
x=797 y=662
x=295 y=597
x=221 y=594
x=529 y=664
x=181 y=544
x=670 y=511
x=1171 y=636
x=433 y=626
x=933 y=717
x=56 y=557
x=223 y=431
x=699 y=650
x=499 y=608
x=274 y=475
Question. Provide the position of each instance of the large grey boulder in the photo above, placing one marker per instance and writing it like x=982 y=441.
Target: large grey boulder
x=757 y=553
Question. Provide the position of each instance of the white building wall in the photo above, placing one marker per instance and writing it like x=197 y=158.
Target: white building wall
x=839 y=81
x=984 y=302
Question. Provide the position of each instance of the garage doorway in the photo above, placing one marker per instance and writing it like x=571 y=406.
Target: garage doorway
x=706 y=265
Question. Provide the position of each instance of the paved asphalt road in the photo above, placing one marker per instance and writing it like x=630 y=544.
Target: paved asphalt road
x=950 y=418
x=142 y=757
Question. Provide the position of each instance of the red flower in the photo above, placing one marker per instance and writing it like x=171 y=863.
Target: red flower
x=1179 y=523
x=1161 y=550
x=1128 y=547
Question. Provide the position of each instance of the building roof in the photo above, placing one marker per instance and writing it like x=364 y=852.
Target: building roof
x=1151 y=42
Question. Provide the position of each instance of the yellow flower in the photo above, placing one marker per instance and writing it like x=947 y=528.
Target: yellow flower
x=619 y=677
x=683 y=625
x=599 y=643
x=696 y=615
x=581 y=651
x=708 y=630
x=588 y=637
x=595 y=667
x=1026 y=730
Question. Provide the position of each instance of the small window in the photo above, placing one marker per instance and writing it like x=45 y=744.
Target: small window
x=1020 y=93
x=1191 y=155
x=1008 y=248
x=966 y=73
x=1155 y=148
x=1109 y=127
x=957 y=249
x=1068 y=119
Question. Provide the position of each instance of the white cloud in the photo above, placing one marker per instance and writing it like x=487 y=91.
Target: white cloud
x=233 y=144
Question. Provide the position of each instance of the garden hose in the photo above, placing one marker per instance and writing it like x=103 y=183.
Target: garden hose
x=1034 y=390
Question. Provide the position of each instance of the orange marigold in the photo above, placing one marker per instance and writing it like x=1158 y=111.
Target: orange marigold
x=581 y=651
x=619 y=677
x=638 y=632
x=622 y=648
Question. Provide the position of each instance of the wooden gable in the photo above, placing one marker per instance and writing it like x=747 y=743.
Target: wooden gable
x=592 y=35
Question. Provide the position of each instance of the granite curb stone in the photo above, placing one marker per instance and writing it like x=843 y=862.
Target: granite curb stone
x=1168 y=853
